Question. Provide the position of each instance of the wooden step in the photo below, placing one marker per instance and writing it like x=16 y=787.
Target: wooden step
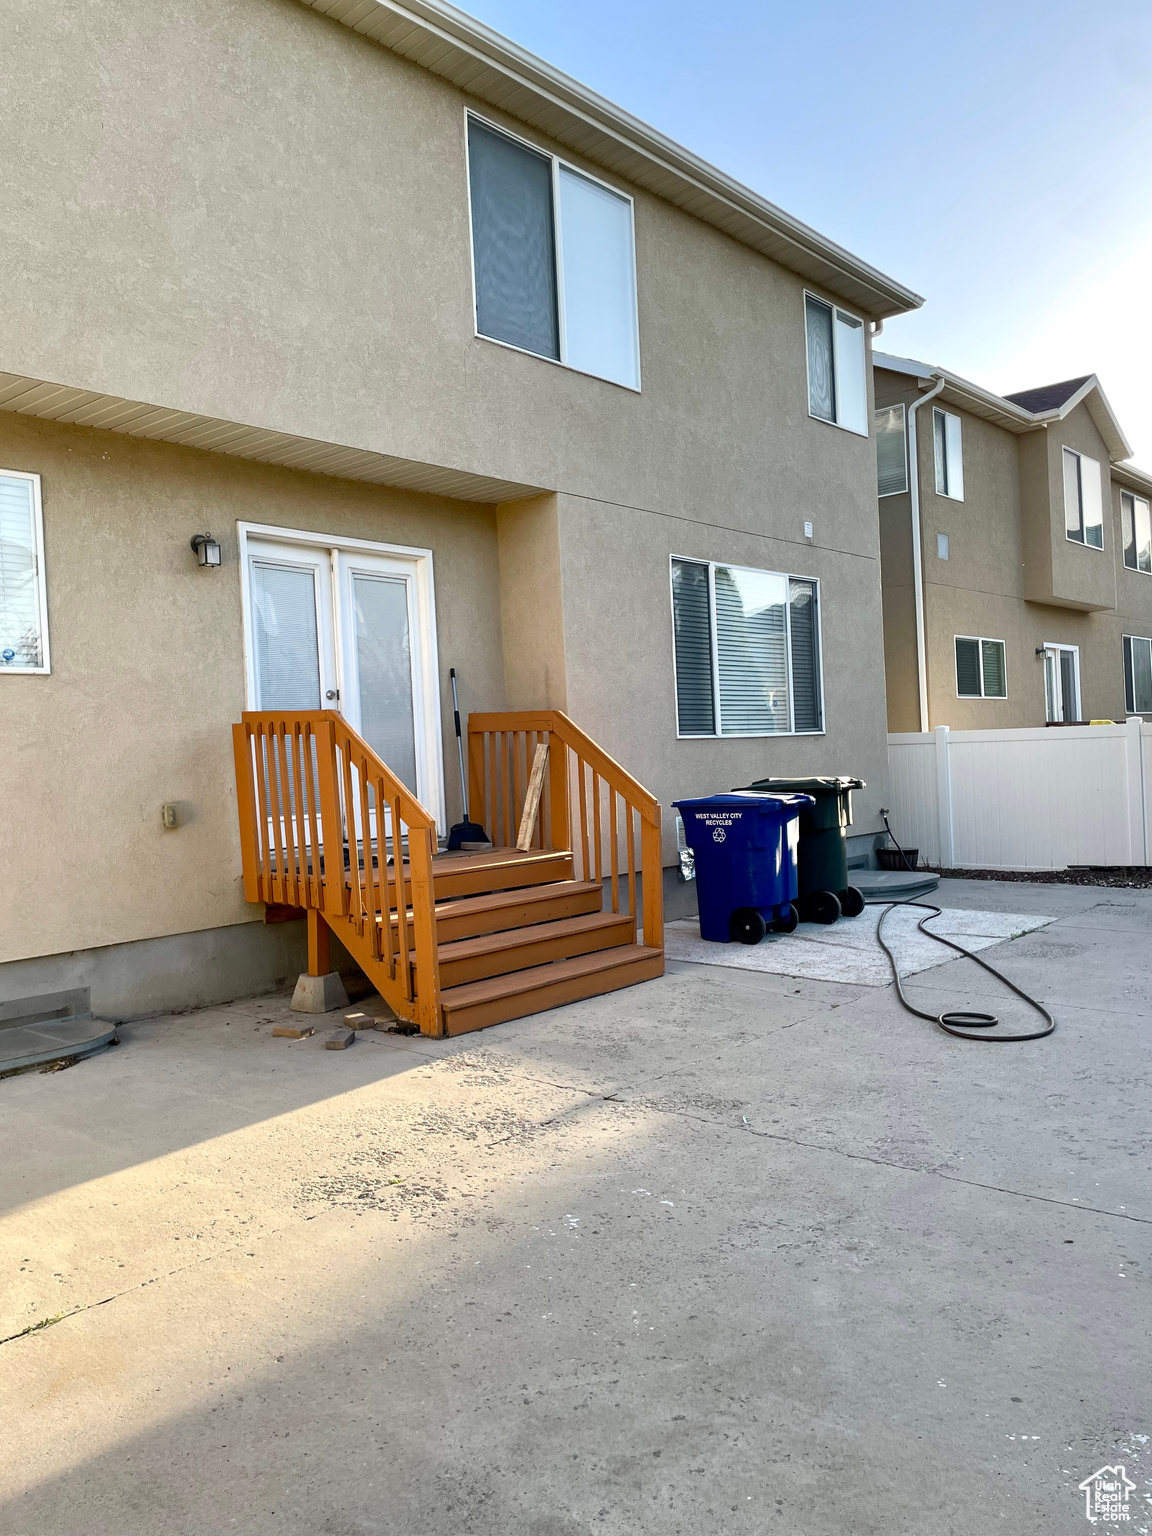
x=516 y=949
x=480 y=1003
x=467 y=916
x=503 y=869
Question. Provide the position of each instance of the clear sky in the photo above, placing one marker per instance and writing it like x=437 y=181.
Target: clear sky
x=995 y=157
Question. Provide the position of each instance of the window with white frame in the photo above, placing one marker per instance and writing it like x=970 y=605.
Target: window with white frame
x=949 y=451
x=23 y=599
x=1136 y=528
x=837 y=390
x=980 y=670
x=1138 y=674
x=891 y=451
x=747 y=651
x=1083 y=503
x=553 y=258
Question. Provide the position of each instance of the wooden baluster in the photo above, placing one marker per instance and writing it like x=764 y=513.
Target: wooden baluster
x=403 y=936
x=559 y=820
x=276 y=837
x=653 y=874
x=246 y=803
x=597 y=829
x=477 y=795
x=424 y=925
x=505 y=786
x=369 y=860
x=585 y=867
x=354 y=876
x=387 y=884
x=631 y=862
x=614 y=834
x=332 y=830
x=298 y=834
x=314 y=883
x=284 y=790
x=518 y=787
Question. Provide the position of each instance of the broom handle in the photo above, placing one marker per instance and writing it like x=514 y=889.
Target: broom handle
x=459 y=742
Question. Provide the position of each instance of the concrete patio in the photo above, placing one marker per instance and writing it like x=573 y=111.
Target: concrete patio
x=726 y=1251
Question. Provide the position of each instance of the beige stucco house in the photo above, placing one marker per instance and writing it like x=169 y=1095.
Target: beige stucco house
x=1016 y=550
x=456 y=364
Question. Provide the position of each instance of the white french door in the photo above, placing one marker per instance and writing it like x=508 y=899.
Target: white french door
x=1062 y=682
x=348 y=625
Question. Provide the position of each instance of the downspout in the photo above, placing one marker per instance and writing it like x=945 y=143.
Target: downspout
x=917 y=551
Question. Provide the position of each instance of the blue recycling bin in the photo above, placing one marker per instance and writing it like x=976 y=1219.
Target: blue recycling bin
x=744 y=850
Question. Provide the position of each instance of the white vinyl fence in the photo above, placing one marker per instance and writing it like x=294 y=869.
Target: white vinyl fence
x=1027 y=799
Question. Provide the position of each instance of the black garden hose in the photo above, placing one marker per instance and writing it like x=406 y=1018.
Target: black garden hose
x=959 y=1021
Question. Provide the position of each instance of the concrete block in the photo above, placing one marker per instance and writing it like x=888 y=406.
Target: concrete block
x=294 y=1031
x=340 y=1038
x=358 y=1020
x=319 y=994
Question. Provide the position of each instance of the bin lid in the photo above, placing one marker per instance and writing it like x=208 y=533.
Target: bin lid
x=813 y=786
x=745 y=799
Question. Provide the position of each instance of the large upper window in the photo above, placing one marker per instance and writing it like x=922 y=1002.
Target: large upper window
x=747 y=647
x=1136 y=526
x=1138 y=674
x=948 y=447
x=980 y=672
x=23 y=603
x=1083 y=505
x=891 y=451
x=836 y=388
x=553 y=258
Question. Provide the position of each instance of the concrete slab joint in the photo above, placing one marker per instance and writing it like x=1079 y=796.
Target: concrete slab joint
x=319 y=994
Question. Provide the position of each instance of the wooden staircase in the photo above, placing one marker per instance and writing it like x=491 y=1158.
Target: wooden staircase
x=456 y=941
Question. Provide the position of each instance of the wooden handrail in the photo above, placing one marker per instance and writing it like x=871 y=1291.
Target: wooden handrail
x=591 y=804
x=325 y=825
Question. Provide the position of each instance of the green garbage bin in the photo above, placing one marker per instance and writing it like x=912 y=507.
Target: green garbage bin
x=824 y=893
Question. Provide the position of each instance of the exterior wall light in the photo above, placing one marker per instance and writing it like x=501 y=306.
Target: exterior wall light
x=207 y=549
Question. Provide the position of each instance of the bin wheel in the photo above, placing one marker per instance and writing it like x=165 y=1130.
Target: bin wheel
x=788 y=923
x=747 y=926
x=823 y=907
x=851 y=901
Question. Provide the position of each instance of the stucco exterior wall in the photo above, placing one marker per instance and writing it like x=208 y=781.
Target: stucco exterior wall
x=148 y=675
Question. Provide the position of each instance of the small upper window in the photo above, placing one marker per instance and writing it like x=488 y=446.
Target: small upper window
x=23 y=603
x=1136 y=525
x=980 y=672
x=553 y=258
x=1138 y=674
x=836 y=387
x=949 y=455
x=891 y=451
x=1083 y=504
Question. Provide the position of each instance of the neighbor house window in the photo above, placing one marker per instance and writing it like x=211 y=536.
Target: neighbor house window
x=1136 y=526
x=1083 y=505
x=23 y=601
x=891 y=451
x=949 y=455
x=1138 y=674
x=836 y=388
x=980 y=672
x=553 y=258
x=747 y=651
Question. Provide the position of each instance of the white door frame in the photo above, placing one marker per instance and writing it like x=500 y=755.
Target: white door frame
x=1061 y=645
x=424 y=634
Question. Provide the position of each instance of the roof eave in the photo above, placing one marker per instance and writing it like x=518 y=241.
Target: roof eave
x=495 y=70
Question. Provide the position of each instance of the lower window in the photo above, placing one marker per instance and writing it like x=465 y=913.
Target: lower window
x=747 y=649
x=1138 y=674
x=980 y=671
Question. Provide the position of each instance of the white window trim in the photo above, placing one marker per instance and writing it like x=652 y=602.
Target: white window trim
x=1147 y=640
x=938 y=410
x=760 y=571
x=1124 y=566
x=810 y=293
x=898 y=406
x=45 y=667
x=981 y=640
x=421 y=561
x=1097 y=549
x=577 y=170
x=1062 y=645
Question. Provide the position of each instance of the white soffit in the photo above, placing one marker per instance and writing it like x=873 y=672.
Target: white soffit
x=85 y=408
x=492 y=69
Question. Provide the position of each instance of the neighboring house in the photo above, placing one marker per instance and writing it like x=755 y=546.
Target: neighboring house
x=1016 y=547
x=459 y=365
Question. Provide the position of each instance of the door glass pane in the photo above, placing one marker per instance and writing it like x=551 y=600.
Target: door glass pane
x=751 y=651
x=284 y=625
x=851 y=391
x=1068 y=699
x=384 y=671
x=599 y=280
x=1073 y=521
x=1051 y=686
x=818 y=320
x=513 y=242
x=21 y=644
x=692 y=642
